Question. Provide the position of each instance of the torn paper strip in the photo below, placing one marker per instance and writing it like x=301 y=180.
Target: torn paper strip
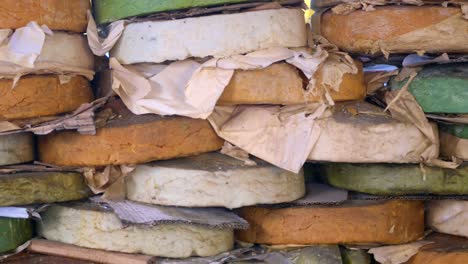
x=35 y=49
x=398 y=254
x=237 y=153
x=191 y=89
x=100 y=46
x=283 y=136
x=110 y=181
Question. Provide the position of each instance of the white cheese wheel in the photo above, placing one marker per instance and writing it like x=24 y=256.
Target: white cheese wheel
x=212 y=180
x=217 y=35
x=91 y=228
x=61 y=53
x=16 y=148
x=359 y=132
x=448 y=216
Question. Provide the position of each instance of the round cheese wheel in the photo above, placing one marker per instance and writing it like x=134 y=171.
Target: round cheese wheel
x=107 y=11
x=448 y=216
x=444 y=249
x=359 y=132
x=283 y=84
x=396 y=179
x=130 y=139
x=398 y=29
x=14 y=232
x=217 y=35
x=213 y=180
x=391 y=222
x=69 y=15
x=42 y=95
x=16 y=148
x=93 y=228
x=440 y=88
x=42 y=187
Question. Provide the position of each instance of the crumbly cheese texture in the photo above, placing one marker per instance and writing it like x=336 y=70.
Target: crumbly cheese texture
x=212 y=180
x=398 y=29
x=104 y=230
x=362 y=133
x=67 y=15
x=217 y=35
x=16 y=148
x=448 y=216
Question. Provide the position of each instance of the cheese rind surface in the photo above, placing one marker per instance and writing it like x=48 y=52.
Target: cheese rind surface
x=14 y=232
x=42 y=187
x=16 y=148
x=391 y=222
x=216 y=35
x=104 y=230
x=42 y=95
x=396 y=179
x=213 y=180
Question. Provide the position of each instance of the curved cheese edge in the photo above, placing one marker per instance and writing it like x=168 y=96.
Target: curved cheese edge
x=103 y=230
x=217 y=35
x=452 y=146
x=448 y=216
x=16 y=148
x=231 y=187
x=434 y=29
x=371 y=136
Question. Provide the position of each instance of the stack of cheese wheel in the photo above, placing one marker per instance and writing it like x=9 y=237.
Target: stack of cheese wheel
x=439 y=89
x=39 y=94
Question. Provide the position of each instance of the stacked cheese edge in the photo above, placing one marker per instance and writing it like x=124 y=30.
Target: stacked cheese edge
x=178 y=166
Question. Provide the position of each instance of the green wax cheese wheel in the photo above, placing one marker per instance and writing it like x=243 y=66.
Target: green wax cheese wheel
x=396 y=179
x=42 y=187
x=458 y=130
x=111 y=10
x=13 y=233
x=358 y=256
x=440 y=88
x=16 y=148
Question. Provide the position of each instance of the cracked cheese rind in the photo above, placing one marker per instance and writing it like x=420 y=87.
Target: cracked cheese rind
x=398 y=29
x=103 y=230
x=359 y=132
x=42 y=187
x=130 y=139
x=216 y=35
x=42 y=95
x=282 y=83
x=66 y=15
x=213 y=180
x=16 y=148
x=391 y=222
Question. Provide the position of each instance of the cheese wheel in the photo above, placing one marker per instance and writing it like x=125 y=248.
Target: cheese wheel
x=107 y=11
x=398 y=29
x=68 y=15
x=16 y=148
x=42 y=95
x=452 y=146
x=217 y=35
x=396 y=179
x=444 y=249
x=130 y=139
x=98 y=229
x=448 y=216
x=359 y=132
x=283 y=84
x=14 y=232
x=213 y=180
x=62 y=52
x=42 y=187
x=391 y=222
x=440 y=88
